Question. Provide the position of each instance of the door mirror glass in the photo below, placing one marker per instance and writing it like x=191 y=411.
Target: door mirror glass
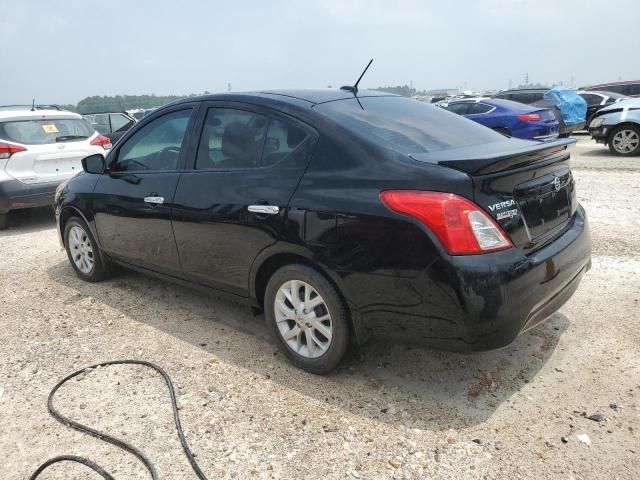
x=94 y=164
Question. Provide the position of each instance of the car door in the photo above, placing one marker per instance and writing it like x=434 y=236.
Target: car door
x=132 y=202
x=232 y=203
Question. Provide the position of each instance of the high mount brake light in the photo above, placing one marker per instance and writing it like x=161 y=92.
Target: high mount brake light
x=102 y=141
x=8 y=149
x=462 y=227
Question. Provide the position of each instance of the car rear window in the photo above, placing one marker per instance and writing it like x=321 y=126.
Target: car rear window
x=406 y=125
x=42 y=131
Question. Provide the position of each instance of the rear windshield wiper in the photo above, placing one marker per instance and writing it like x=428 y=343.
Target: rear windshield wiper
x=65 y=138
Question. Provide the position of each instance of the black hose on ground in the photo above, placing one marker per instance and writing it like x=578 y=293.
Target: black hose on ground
x=113 y=440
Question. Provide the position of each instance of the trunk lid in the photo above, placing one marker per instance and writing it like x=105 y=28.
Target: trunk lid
x=525 y=186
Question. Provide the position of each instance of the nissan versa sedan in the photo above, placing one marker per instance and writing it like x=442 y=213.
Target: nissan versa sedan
x=340 y=213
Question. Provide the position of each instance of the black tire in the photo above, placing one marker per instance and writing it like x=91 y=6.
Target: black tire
x=337 y=346
x=502 y=131
x=632 y=128
x=4 y=220
x=100 y=268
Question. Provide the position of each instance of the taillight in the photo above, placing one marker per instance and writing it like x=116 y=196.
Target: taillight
x=462 y=227
x=529 y=117
x=102 y=141
x=8 y=149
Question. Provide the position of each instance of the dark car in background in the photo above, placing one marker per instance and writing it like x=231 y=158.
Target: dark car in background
x=628 y=88
x=341 y=214
x=618 y=126
x=110 y=124
x=535 y=96
x=523 y=95
x=596 y=100
x=509 y=118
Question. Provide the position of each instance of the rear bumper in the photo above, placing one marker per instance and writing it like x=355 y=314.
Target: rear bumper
x=483 y=302
x=16 y=195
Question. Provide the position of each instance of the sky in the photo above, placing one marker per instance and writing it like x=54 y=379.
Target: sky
x=61 y=51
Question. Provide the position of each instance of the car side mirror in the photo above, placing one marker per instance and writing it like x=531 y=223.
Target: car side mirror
x=94 y=164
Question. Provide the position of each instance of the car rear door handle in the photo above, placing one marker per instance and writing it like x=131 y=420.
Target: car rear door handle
x=154 y=200
x=264 y=209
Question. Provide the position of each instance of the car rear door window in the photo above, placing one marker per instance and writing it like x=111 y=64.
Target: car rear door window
x=231 y=139
x=156 y=146
x=461 y=108
x=100 y=122
x=476 y=108
x=282 y=140
x=591 y=99
x=119 y=122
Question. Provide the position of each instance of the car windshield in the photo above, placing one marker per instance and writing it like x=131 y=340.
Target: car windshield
x=406 y=125
x=42 y=131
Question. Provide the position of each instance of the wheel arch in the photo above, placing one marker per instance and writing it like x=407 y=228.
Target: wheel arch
x=68 y=211
x=268 y=263
x=621 y=124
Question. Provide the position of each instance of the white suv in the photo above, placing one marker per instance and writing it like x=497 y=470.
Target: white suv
x=39 y=149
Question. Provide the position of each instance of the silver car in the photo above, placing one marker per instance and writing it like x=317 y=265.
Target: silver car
x=618 y=126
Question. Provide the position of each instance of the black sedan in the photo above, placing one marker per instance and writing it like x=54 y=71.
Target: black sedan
x=340 y=213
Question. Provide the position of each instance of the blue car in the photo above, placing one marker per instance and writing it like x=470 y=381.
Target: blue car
x=509 y=118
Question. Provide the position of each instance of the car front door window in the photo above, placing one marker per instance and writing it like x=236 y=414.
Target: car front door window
x=156 y=146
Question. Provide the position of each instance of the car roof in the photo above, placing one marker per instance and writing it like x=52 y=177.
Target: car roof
x=6 y=115
x=312 y=97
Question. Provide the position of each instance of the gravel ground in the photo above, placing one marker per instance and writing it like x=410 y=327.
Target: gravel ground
x=392 y=411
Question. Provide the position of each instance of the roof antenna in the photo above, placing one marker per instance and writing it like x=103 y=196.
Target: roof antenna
x=33 y=105
x=354 y=88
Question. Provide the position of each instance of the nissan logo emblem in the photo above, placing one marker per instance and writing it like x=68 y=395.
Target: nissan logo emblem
x=556 y=183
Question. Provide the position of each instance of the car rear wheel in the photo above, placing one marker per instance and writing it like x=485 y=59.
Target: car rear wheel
x=625 y=140
x=83 y=252
x=308 y=318
x=4 y=220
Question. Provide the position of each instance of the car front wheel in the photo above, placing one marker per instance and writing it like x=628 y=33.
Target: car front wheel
x=83 y=252
x=308 y=318
x=625 y=140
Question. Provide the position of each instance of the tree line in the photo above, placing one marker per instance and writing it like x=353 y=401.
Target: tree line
x=119 y=103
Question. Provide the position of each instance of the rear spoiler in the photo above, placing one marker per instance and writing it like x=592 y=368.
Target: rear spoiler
x=496 y=156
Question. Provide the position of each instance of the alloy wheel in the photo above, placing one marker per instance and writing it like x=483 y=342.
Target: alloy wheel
x=625 y=141
x=303 y=319
x=81 y=249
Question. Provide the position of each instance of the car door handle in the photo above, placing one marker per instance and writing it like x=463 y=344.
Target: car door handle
x=264 y=209
x=154 y=200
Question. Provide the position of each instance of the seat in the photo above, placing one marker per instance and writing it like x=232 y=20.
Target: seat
x=238 y=147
